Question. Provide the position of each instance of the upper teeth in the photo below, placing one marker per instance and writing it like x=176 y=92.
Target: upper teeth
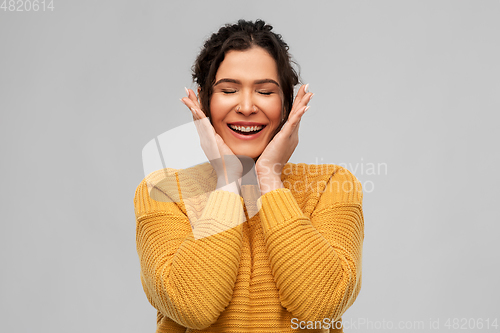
x=246 y=129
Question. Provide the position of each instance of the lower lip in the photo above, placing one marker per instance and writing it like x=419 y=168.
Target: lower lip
x=245 y=137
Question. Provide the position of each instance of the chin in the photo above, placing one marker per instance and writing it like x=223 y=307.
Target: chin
x=252 y=150
x=253 y=156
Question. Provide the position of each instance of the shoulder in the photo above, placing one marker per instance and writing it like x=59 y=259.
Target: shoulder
x=163 y=190
x=322 y=180
x=155 y=191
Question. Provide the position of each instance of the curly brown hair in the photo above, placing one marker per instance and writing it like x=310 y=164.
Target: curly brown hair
x=242 y=36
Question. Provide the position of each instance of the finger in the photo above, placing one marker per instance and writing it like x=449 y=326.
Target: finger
x=302 y=91
x=294 y=120
x=300 y=94
x=297 y=116
x=192 y=96
x=293 y=131
x=198 y=114
x=300 y=108
x=302 y=102
x=189 y=102
x=195 y=109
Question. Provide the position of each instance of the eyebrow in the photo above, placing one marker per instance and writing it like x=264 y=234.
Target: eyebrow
x=239 y=82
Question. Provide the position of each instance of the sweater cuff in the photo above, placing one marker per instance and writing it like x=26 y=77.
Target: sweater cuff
x=277 y=207
x=251 y=193
x=223 y=211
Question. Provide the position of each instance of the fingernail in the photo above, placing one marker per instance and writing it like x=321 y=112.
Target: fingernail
x=307 y=108
x=187 y=91
x=306 y=87
x=180 y=99
x=311 y=97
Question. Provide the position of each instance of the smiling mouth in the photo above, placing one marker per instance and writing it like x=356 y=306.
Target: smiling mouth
x=246 y=130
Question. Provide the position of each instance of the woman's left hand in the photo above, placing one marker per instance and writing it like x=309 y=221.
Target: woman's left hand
x=277 y=153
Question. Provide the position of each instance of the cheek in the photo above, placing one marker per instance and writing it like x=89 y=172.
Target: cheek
x=215 y=106
x=273 y=109
x=218 y=110
x=219 y=104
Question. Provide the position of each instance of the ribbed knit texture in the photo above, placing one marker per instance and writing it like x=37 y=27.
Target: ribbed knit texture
x=298 y=257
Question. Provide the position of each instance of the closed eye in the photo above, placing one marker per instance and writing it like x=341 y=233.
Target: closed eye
x=265 y=93
x=228 y=91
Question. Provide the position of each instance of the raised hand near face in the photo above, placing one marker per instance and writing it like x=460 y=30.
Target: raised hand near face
x=227 y=166
x=277 y=153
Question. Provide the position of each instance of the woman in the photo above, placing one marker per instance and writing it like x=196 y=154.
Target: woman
x=291 y=261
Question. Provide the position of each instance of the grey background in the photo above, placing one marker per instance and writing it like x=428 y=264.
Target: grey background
x=412 y=85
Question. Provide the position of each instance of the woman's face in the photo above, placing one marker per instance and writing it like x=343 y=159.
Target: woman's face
x=246 y=105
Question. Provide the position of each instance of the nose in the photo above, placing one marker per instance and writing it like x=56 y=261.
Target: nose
x=246 y=106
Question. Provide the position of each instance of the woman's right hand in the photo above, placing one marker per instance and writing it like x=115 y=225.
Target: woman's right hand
x=227 y=166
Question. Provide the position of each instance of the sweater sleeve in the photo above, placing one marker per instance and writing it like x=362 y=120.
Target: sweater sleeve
x=316 y=261
x=189 y=280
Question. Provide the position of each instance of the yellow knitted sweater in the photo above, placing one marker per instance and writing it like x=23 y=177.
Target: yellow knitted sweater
x=290 y=263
